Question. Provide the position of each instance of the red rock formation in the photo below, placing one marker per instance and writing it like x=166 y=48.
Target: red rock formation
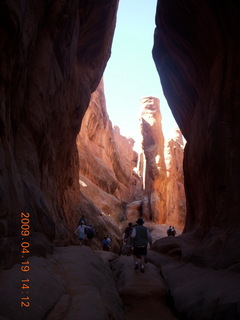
x=196 y=52
x=161 y=169
x=134 y=210
x=73 y=281
x=144 y=297
x=175 y=193
x=198 y=293
x=154 y=168
x=106 y=160
x=53 y=55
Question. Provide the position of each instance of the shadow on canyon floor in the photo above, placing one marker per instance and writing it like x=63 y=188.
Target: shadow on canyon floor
x=78 y=282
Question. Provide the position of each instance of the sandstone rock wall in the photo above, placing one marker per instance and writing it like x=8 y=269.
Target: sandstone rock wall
x=161 y=169
x=196 y=51
x=53 y=55
x=154 y=168
x=175 y=193
x=57 y=286
x=107 y=160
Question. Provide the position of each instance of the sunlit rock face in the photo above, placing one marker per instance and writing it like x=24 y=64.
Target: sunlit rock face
x=154 y=168
x=175 y=193
x=161 y=169
x=196 y=51
x=134 y=210
x=107 y=160
x=53 y=55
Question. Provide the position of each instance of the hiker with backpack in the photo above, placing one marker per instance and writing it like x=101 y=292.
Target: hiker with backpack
x=141 y=236
x=169 y=231
x=90 y=232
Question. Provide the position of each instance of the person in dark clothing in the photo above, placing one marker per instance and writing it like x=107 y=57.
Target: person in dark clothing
x=106 y=243
x=141 y=236
x=169 y=231
x=173 y=232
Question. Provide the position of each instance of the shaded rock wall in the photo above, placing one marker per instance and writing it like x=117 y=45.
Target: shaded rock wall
x=107 y=160
x=196 y=292
x=53 y=55
x=196 y=51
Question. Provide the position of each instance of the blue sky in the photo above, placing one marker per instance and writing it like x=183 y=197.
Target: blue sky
x=131 y=73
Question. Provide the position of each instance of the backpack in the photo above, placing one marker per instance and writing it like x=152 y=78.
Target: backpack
x=90 y=233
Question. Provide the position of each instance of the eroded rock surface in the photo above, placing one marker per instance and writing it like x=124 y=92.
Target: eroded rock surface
x=175 y=193
x=71 y=284
x=198 y=293
x=144 y=295
x=107 y=159
x=77 y=282
x=53 y=55
x=160 y=165
x=154 y=168
x=196 y=50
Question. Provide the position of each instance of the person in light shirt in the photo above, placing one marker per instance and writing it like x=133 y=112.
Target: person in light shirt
x=80 y=232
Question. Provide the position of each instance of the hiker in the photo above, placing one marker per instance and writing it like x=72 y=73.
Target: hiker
x=80 y=232
x=83 y=220
x=89 y=232
x=173 y=232
x=128 y=239
x=141 y=236
x=109 y=240
x=169 y=231
x=106 y=243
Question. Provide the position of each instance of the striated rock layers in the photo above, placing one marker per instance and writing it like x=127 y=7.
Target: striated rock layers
x=53 y=55
x=196 y=51
x=154 y=168
x=161 y=169
x=108 y=173
x=107 y=160
x=175 y=193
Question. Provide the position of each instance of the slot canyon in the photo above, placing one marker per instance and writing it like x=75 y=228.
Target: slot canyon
x=61 y=158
